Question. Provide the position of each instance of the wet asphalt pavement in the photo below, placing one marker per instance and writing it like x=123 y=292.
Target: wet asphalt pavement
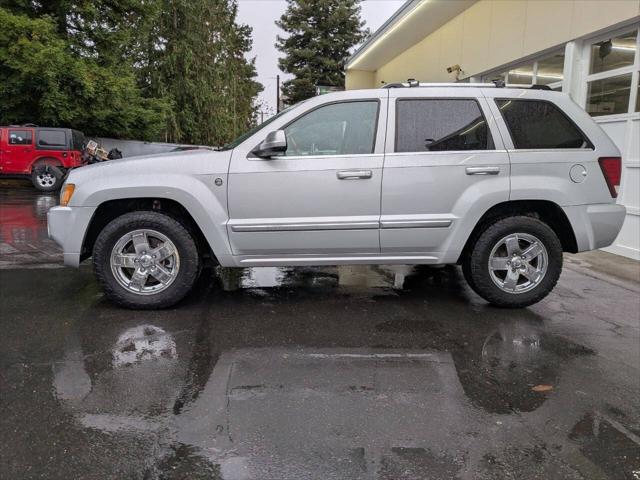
x=313 y=373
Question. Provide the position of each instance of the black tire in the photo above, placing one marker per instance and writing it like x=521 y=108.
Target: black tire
x=475 y=266
x=47 y=178
x=174 y=231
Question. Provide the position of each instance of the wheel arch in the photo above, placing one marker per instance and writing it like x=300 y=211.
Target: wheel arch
x=45 y=160
x=111 y=209
x=548 y=212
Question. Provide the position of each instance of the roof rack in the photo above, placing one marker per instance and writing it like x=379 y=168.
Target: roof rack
x=411 y=83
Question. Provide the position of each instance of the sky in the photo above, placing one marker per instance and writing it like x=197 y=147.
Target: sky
x=261 y=16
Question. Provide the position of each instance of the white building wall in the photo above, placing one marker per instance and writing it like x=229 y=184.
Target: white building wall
x=624 y=129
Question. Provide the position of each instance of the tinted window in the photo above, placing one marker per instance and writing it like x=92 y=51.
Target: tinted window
x=52 y=138
x=337 y=129
x=540 y=124
x=20 y=137
x=437 y=125
x=78 y=140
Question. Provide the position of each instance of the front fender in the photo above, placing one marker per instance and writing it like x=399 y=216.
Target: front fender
x=197 y=193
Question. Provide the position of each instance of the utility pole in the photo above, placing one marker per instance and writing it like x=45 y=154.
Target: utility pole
x=277 y=93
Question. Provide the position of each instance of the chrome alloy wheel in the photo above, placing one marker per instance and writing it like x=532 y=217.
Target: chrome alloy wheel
x=145 y=262
x=46 y=179
x=518 y=263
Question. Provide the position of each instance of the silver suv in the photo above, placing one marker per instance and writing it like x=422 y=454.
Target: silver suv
x=498 y=180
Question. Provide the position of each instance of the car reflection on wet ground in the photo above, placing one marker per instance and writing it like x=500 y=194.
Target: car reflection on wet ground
x=320 y=373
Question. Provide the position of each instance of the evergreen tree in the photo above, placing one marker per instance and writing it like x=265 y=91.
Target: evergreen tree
x=149 y=69
x=320 y=35
x=199 y=65
x=43 y=81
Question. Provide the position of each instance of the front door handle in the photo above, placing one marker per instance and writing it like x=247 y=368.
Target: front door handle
x=354 y=174
x=482 y=170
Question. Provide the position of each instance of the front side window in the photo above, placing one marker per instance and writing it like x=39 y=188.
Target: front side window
x=20 y=137
x=431 y=125
x=52 y=138
x=540 y=124
x=347 y=128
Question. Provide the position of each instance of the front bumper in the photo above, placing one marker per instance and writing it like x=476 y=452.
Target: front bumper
x=67 y=226
x=597 y=225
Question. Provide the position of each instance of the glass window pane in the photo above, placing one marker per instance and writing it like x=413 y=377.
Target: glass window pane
x=522 y=75
x=613 y=53
x=493 y=77
x=540 y=124
x=52 y=138
x=550 y=69
x=437 y=125
x=338 y=129
x=19 y=137
x=609 y=96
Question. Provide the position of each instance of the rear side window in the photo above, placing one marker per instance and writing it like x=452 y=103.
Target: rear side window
x=428 y=125
x=20 y=137
x=52 y=138
x=540 y=124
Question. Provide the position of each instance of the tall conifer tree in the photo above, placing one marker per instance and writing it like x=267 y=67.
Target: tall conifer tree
x=200 y=66
x=318 y=40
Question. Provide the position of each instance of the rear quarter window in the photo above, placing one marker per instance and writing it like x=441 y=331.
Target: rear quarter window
x=53 y=139
x=540 y=124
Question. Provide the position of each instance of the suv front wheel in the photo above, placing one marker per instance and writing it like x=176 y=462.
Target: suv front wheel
x=145 y=260
x=514 y=262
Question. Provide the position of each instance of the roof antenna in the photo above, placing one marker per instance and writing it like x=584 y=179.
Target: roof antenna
x=499 y=83
x=413 y=82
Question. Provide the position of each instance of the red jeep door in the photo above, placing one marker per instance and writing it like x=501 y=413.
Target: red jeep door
x=17 y=151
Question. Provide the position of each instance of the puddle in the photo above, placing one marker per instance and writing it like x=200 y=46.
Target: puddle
x=609 y=445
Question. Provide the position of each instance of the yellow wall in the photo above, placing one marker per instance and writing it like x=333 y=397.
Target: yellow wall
x=358 y=79
x=494 y=32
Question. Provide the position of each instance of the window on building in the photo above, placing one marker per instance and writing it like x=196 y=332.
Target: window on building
x=52 y=138
x=427 y=125
x=522 y=75
x=609 y=95
x=20 y=137
x=612 y=81
x=347 y=128
x=547 y=70
x=613 y=53
x=538 y=124
x=550 y=70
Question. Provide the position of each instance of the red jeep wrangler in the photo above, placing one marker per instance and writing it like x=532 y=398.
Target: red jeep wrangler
x=45 y=154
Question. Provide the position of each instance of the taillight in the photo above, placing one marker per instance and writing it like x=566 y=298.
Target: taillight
x=611 y=169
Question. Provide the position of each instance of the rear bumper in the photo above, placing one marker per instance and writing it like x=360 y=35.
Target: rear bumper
x=67 y=226
x=595 y=226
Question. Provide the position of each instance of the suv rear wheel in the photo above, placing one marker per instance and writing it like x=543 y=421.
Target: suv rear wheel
x=515 y=262
x=145 y=260
x=47 y=178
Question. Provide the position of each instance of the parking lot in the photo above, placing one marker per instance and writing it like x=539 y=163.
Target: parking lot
x=313 y=373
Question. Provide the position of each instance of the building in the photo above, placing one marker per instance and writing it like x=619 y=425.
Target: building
x=586 y=48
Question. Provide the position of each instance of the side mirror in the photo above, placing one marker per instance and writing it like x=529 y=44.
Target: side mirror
x=275 y=143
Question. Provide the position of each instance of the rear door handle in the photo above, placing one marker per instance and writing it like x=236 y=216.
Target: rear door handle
x=354 y=174
x=482 y=170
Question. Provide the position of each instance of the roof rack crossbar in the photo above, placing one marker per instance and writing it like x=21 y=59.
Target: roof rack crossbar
x=495 y=84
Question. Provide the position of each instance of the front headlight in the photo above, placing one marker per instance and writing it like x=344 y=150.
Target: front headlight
x=66 y=193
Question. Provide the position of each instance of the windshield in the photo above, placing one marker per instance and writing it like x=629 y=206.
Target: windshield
x=244 y=136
